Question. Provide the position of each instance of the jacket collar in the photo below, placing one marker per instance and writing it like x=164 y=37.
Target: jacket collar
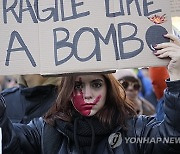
x=38 y=90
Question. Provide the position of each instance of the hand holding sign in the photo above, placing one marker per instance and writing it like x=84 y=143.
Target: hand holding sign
x=171 y=50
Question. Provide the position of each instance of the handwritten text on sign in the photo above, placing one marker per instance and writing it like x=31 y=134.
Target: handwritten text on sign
x=62 y=36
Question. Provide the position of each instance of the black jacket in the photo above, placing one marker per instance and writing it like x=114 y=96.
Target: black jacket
x=39 y=137
x=23 y=103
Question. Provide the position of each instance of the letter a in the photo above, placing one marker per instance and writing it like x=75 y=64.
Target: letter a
x=22 y=48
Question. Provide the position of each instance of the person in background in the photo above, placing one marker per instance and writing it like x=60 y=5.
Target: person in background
x=142 y=74
x=31 y=99
x=158 y=75
x=132 y=86
x=92 y=115
x=147 y=90
x=11 y=81
x=8 y=82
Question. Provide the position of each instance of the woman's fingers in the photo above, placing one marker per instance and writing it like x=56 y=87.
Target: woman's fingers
x=161 y=51
x=171 y=37
x=166 y=54
x=165 y=45
x=170 y=50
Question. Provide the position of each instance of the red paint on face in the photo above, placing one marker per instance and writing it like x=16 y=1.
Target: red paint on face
x=81 y=106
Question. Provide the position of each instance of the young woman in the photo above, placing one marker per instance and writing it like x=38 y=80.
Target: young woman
x=92 y=115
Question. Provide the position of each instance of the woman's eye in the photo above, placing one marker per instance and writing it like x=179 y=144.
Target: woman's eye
x=78 y=87
x=97 y=85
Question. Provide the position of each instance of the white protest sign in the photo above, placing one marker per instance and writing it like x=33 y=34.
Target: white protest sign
x=65 y=36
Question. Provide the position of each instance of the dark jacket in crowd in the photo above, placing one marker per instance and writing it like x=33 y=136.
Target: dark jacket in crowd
x=24 y=103
x=63 y=138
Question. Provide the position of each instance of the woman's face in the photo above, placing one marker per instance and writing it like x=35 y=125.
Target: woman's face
x=131 y=88
x=89 y=94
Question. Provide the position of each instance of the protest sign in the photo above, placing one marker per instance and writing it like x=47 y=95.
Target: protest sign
x=65 y=36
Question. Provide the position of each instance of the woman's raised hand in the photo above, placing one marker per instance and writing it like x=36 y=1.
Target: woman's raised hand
x=170 y=50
